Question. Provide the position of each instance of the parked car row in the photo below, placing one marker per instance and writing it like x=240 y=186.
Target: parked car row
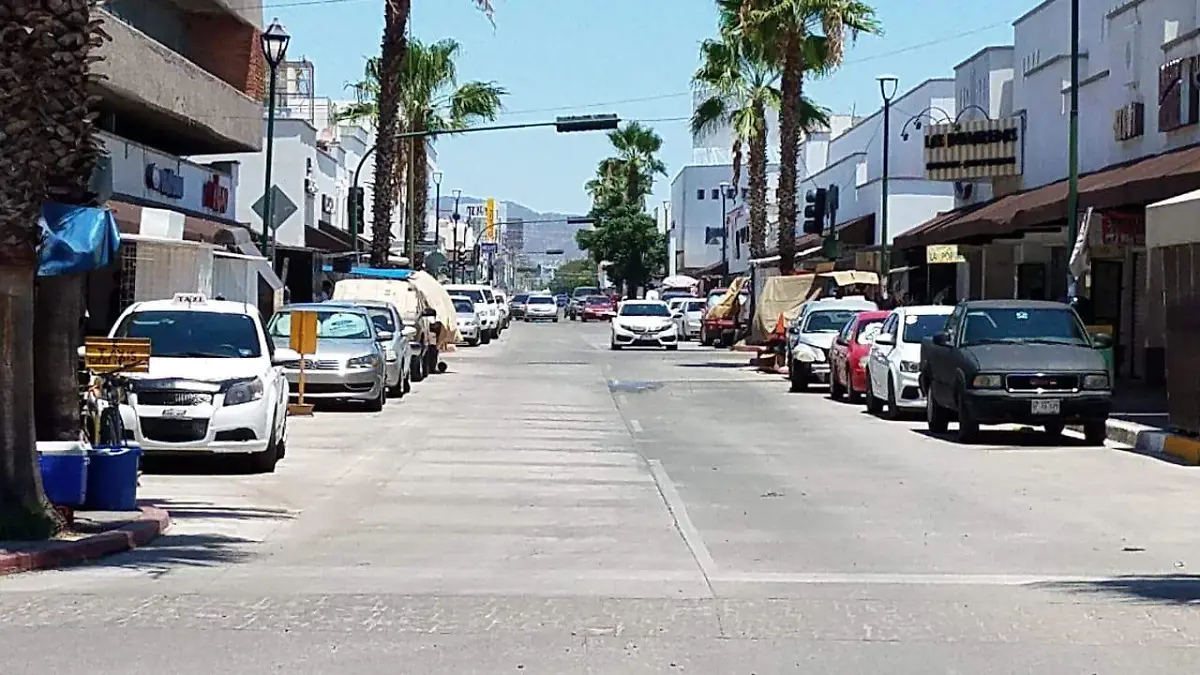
x=979 y=362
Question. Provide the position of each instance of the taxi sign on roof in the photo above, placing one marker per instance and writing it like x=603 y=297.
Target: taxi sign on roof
x=190 y=298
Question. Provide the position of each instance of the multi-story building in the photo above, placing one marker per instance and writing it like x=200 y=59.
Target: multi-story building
x=176 y=79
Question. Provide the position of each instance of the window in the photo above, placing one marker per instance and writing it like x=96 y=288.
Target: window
x=464 y=306
x=700 y=194
x=917 y=327
x=331 y=325
x=383 y=320
x=953 y=322
x=644 y=309
x=474 y=294
x=1023 y=325
x=867 y=330
x=183 y=334
x=847 y=331
x=716 y=194
x=543 y=300
x=487 y=295
x=828 y=321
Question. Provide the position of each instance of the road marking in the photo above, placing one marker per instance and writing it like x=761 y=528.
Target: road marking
x=867 y=578
x=675 y=505
x=636 y=426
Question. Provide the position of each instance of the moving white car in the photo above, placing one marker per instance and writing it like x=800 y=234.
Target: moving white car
x=541 y=308
x=212 y=387
x=644 y=323
x=894 y=365
x=485 y=306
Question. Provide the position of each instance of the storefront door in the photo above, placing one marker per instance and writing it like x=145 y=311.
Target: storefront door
x=1106 y=293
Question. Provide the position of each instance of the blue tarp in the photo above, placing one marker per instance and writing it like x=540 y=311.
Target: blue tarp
x=374 y=272
x=76 y=239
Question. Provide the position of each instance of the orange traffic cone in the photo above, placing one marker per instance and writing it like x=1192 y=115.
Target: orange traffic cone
x=780 y=328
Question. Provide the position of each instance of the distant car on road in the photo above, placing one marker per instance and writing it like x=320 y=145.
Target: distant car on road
x=516 y=306
x=394 y=337
x=811 y=336
x=689 y=316
x=645 y=323
x=541 y=308
x=468 y=320
x=577 y=297
x=1016 y=361
x=597 y=308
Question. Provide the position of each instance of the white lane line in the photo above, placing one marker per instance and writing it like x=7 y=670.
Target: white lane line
x=636 y=426
x=867 y=578
x=691 y=536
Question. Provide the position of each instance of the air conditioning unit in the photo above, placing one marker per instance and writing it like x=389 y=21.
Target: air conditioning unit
x=963 y=189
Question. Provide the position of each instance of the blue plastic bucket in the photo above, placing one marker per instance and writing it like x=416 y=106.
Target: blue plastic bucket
x=112 y=478
x=64 y=468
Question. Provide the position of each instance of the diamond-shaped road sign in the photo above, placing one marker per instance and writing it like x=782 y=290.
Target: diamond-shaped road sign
x=281 y=206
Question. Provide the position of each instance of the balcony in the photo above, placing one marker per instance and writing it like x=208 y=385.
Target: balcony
x=158 y=97
x=249 y=13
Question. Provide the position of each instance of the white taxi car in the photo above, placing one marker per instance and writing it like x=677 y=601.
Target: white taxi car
x=211 y=387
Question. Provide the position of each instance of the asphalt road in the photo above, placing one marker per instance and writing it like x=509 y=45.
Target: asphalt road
x=550 y=506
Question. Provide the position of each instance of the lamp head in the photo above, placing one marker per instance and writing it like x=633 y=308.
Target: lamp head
x=275 y=43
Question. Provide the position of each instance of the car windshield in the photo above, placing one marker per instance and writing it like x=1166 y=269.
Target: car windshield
x=644 y=309
x=867 y=330
x=331 y=325
x=489 y=296
x=598 y=300
x=474 y=294
x=520 y=297
x=1023 y=325
x=585 y=291
x=541 y=300
x=694 y=306
x=917 y=327
x=182 y=334
x=828 y=320
x=464 y=306
x=384 y=323
x=714 y=300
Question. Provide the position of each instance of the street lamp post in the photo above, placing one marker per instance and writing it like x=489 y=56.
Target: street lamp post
x=457 y=254
x=1073 y=150
x=274 y=42
x=437 y=210
x=887 y=89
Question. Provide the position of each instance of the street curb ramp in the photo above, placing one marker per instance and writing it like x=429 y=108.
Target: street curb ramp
x=148 y=526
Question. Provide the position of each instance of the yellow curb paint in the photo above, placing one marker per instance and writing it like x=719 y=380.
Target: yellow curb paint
x=1186 y=449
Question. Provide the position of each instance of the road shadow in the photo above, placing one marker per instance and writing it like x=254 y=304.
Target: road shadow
x=196 y=465
x=1180 y=589
x=1010 y=439
x=184 y=510
x=173 y=551
x=716 y=364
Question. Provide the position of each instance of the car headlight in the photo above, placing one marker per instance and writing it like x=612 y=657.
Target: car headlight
x=1095 y=381
x=807 y=353
x=389 y=352
x=368 y=361
x=244 y=392
x=910 y=367
x=988 y=382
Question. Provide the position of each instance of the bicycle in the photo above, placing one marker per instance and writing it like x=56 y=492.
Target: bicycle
x=101 y=398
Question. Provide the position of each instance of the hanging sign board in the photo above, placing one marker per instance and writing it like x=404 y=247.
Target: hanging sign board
x=117 y=355
x=943 y=254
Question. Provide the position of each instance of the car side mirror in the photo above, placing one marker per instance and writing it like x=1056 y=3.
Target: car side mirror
x=793 y=329
x=885 y=339
x=941 y=339
x=385 y=336
x=409 y=332
x=676 y=315
x=1102 y=341
x=429 y=311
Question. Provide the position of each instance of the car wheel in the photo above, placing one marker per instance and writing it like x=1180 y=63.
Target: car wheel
x=614 y=346
x=836 y=390
x=1095 y=432
x=583 y=319
x=417 y=370
x=431 y=360
x=556 y=319
x=937 y=417
x=473 y=342
x=874 y=403
x=672 y=348
x=1054 y=429
x=397 y=389
x=855 y=396
x=408 y=381
x=968 y=427
x=893 y=410
x=264 y=461
x=485 y=337
x=376 y=404
x=798 y=377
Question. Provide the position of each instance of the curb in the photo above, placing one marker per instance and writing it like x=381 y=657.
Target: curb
x=748 y=349
x=146 y=528
x=1155 y=442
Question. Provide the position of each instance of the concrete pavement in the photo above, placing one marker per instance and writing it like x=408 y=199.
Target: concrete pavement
x=553 y=507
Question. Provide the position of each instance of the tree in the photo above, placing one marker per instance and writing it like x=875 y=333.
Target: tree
x=788 y=26
x=50 y=151
x=581 y=272
x=387 y=122
x=636 y=163
x=628 y=239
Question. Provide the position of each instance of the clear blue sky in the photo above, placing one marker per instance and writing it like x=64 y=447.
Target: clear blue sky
x=631 y=57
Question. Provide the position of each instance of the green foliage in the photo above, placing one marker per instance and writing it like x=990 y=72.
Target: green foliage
x=581 y=272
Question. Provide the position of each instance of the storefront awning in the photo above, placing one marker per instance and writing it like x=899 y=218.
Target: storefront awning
x=322 y=239
x=1134 y=183
x=858 y=232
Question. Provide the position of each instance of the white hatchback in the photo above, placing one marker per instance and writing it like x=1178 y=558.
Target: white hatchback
x=894 y=365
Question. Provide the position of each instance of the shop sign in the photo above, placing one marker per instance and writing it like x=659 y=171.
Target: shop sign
x=165 y=181
x=866 y=260
x=943 y=254
x=1129 y=121
x=1178 y=96
x=1123 y=229
x=215 y=197
x=974 y=149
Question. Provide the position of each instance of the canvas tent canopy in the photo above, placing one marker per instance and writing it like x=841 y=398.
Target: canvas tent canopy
x=728 y=306
x=780 y=298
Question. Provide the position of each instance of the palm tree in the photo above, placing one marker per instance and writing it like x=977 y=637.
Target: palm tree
x=387 y=124
x=50 y=153
x=789 y=26
x=637 y=160
x=431 y=100
x=608 y=185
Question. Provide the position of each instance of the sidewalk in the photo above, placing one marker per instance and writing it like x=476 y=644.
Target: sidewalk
x=1139 y=421
x=95 y=534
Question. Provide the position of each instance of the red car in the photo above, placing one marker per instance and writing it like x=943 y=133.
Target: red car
x=848 y=357
x=597 y=308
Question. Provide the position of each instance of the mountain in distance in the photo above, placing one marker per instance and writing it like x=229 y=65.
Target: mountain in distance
x=539 y=236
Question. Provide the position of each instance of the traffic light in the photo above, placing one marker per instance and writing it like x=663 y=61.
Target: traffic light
x=356 y=209
x=565 y=125
x=814 y=211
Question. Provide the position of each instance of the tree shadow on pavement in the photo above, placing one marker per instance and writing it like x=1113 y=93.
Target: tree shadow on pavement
x=1009 y=439
x=174 y=551
x=1181 y=589
x=183 y=510
x=715 y=364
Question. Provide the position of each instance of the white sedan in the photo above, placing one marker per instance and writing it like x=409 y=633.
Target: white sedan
x=894 y=364
x=644 y=323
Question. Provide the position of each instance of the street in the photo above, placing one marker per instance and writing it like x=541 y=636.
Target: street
x=551 y=506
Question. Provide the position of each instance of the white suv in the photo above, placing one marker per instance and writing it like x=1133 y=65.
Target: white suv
x=485 y=306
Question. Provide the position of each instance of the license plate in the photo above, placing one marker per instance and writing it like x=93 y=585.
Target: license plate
x=175 y=413
x=1046 y=406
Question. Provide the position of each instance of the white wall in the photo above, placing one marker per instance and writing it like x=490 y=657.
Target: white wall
x=985 y=80
x=131 y=163
x=692 y=216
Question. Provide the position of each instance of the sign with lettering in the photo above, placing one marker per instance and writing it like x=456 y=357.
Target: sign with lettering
x=1129 y=121
x=974 y=149
x=943 y=254
x=112 y=355
x=214 y=196
x=1123 y=228
x=164 y=180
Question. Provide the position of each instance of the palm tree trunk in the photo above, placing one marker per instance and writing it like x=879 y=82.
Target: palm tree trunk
x=789 y=143
x=420 y=194
x=758 y=184
x=391 y=67
x=58 y=314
